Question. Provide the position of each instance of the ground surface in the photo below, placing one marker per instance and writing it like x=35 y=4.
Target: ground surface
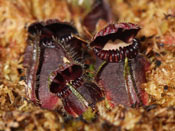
x=157 y=19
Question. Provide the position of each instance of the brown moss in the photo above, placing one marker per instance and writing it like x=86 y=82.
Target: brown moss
x=157 y=21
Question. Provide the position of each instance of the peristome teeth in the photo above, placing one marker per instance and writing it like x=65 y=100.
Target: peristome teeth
x=70 y=37
x=111 y=55
x=117 y=56
x=102 y=54
x=106 y=56
x=121 y=53
x=131 y=52
x=126 y=52
x=62 y=40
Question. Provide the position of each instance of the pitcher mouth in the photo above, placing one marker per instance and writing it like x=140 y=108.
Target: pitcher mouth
x=71 y=75
x=116 y=42
x=117 y=53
